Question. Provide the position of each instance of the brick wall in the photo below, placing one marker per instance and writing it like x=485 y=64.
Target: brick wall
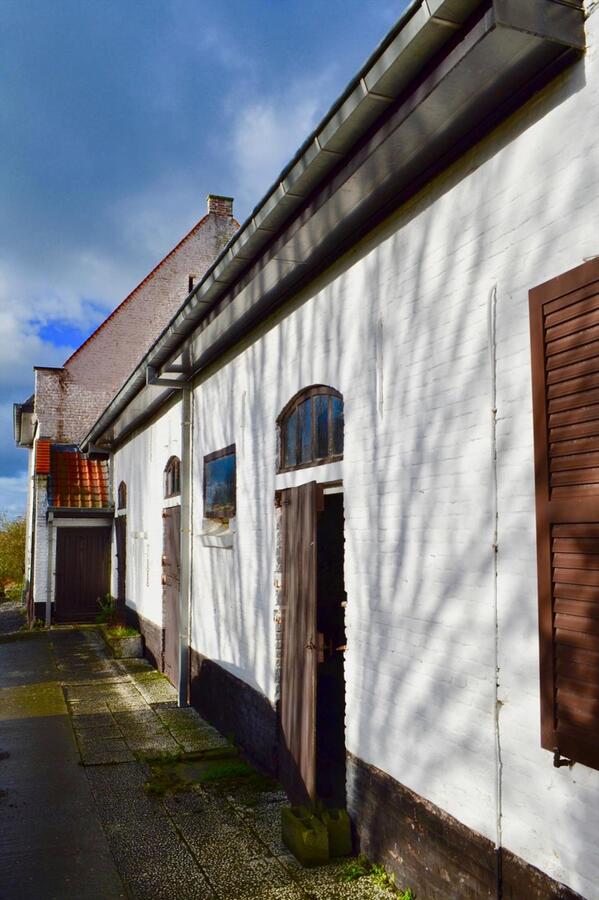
x=68 y=401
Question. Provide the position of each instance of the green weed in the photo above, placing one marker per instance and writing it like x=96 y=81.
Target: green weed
x=109 y=613
x=121 y=631
x=362 y=867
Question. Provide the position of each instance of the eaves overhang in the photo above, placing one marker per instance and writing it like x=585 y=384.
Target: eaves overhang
x=23 y=424
x=448 y=72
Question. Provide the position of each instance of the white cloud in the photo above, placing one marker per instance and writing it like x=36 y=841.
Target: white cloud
x=152 y=220
x=266 y=133
x=21 y=348
x=13 y=495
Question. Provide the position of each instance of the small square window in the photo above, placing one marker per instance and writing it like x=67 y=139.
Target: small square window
x=220 y=484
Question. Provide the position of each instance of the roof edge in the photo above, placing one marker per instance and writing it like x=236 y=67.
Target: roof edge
x=144 y=281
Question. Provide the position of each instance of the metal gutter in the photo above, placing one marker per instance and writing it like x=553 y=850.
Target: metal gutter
x=364 y=95
x=18 y=411
x=411 y=100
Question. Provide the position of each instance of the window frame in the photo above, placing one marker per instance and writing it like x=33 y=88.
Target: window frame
x=309 y=393
x=575 y=508
x=120 y=505
x=168 y=470
x=230 y=450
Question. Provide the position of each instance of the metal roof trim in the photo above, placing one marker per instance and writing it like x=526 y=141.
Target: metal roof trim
x=255 y=234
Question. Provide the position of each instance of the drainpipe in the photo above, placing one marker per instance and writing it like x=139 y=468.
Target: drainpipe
x=186 y=524
x=50 y=569
x=492 y=334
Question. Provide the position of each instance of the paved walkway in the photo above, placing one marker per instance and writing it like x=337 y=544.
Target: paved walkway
x=108 y=790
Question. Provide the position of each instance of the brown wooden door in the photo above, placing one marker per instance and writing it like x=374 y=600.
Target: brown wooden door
x=299 y=645
x=121 y=553
x=565 y=360
x=171 y=575
x=82 y=572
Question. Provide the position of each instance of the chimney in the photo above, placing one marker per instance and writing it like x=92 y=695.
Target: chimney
x=220 y=206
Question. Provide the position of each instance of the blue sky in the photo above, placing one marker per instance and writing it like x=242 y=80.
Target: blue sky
x=117 y=118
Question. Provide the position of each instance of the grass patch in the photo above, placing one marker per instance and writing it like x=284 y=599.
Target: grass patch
x=164 y=780
x=225 y=770
x=378 y=875
x=174 y=773
x=120 y=631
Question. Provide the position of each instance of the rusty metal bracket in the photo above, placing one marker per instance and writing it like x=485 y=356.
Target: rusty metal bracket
x=559 y=760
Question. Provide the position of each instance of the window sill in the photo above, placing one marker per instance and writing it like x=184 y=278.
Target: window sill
x=218 y=533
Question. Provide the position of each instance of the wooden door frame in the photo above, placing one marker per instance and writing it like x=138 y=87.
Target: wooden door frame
x=319 y=492
x=166 y=511
x=120 y=524
x=85 y=528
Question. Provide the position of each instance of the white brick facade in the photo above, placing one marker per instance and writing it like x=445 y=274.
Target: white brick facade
x=403 y=327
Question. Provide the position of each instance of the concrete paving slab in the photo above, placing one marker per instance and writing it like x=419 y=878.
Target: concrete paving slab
x=97 y=751
x=154 y=687
x=92 y=831
x=156 y=863
x=119 y=793
x=53 y=845
x=259 y=877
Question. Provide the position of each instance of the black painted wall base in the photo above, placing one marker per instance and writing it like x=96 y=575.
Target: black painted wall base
x=236 y=709
x=430 y=851
x=39 y=611
x=152 y=634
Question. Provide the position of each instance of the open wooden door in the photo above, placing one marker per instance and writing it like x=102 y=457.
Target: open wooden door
x=299 y=645
x=171 y=577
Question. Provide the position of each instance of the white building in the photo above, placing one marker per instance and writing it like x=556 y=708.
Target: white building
x=359 y=602
x=69 y=507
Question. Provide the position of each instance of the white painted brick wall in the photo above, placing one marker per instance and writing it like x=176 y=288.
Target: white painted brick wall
x=400 y=326
x=40 y=558
x=29 y=524
x=140 y=464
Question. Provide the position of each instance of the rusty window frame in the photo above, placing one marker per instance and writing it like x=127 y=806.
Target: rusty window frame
x=231 y=510
x=309 y=394
x=122 y=496
x=172 y=478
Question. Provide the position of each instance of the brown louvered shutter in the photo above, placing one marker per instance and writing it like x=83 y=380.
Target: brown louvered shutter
x=564 y=316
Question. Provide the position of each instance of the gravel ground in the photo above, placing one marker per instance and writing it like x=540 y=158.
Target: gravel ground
x=12 y=616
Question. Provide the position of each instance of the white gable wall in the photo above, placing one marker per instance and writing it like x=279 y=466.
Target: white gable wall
x=401 y=328
x=140 y=464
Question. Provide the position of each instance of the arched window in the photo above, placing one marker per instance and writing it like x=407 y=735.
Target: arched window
x=311 y=428
x=172 y=477
x=122 y=496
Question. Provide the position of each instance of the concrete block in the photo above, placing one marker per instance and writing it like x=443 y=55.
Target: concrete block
x=338 y=826
x=305 y=835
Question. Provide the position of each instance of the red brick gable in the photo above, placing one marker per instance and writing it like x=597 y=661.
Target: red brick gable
x=141 y=284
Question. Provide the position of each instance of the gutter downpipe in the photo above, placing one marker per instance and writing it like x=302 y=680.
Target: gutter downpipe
x=51 y=572
x=186 y=526
x=492 y=337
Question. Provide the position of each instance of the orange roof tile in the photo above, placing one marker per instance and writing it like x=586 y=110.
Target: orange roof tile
x=42 y=458
x=78 y=482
